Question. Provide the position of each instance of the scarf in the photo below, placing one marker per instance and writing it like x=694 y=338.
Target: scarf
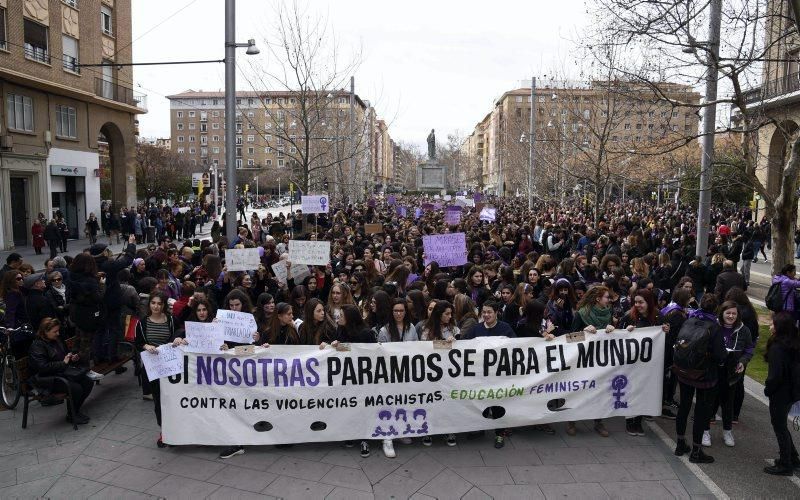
x=699 y=313
x=61 y=290
x=598 y=317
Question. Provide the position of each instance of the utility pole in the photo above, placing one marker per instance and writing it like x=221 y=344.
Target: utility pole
x=531 y=140
x=709 y=123
x=230 y=119
x=353 y=174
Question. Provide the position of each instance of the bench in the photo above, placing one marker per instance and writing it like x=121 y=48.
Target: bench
x=33 y=393
x=108 y=367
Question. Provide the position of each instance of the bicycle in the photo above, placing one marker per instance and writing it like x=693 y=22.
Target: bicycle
x=10 y=387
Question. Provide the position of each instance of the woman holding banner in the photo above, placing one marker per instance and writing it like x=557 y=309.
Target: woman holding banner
x=318 y=327
x=440 y=326
x=155 y=330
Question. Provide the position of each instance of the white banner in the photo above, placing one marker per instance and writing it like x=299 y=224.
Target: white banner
x=242 y=259
x=312 y=253
x=315 y=204
x=298 y=272
x=291 y=394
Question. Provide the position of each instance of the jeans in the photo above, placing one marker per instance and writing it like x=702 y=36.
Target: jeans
x=745 y=270
x=738 y=398
x=702 y=399
x=778 y=413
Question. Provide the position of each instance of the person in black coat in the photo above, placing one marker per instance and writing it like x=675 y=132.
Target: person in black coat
x=53 y=237
x=49 y=361
x=783 y=355
x=36 y=304
x=108 y=269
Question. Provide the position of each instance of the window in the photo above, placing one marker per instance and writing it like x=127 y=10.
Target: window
x=238 y=163
x=251 y=150
x=3 y=38
x=179 y=126
x=250 y=101
x=192 y=138
x=251 y=163
x=280 y=163
x=215 y=102
x=105 y=20
x=214 y=138
x=651 y=114
x=238 y=139
x=180 y=151
x=251 y=114
x=203 y=151
x=267 y=100
x=268 y=163
x=179 y=114
x=203 y=115
x=638 y=126
x=36 y=46
x=66 y=122
x=215 y=150
x=215 y=126
x=291 y=100
x=180 y=138
x=251 y=138
x=267 y=125
x=280 y=152
x=203 y=139
x=663 y=114
x=215 y=114
x=293 y=149
x=238 y=152
x=280 y=114
x=70 y=51
x=540 y=98
x=192 y=151
x=268 y=150
x=239 y=127
x=20 y=112
x=627 y=126
x=238 y=101
x=204 y=127
x=250 y=126
x=674 y=114
x=192 y=126
x=267 y=137
x=191 y=114
x=518 y=98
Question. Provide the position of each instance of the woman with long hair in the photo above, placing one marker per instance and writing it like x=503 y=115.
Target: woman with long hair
x=265 y=306
x=16 y=314
x=560 y=307
x=340 y=295
x=440 y=325
x=476 y=286
x=783 y=354
x=642 y=314
x=319 y=326
x=281 y=329
x=155 y=330
x=297 y=299
x=418 y=308
x=749 y=318
x=380 y=310
x=465 y=313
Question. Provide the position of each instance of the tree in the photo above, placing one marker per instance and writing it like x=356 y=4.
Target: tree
x=161 y=173
x=319 y=127
x=669 y=36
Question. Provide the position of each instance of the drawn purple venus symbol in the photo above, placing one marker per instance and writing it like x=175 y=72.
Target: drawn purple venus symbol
x=322 y=202
x=617 y=384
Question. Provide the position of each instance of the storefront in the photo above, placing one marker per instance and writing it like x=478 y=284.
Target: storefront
x=74 y=187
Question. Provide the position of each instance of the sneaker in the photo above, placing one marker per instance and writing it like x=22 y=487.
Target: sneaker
x=681 y=448
x=706 y=439
x=779 y=470
x=120 y=370
x=160 y=442
x=407 y=441
x=93 y=375
x=571 y=429
x=231 y=451
x=349 y=444
x=147 y=397
x=630 y=428
x=451 y=440
x=388 y=449
x=698 y=457
x=668 y=414
x=639 y=430
x=499 y=442
x=365 y=449
x=649 y=418
x=727 y=436
x=427 y=441
x=601 y=429
x=546 y=428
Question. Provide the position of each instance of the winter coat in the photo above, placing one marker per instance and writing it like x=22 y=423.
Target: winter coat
x=788 y=290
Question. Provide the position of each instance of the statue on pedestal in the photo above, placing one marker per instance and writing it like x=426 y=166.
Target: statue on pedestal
x=432 y=145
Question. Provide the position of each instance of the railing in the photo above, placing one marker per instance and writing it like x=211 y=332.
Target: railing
x=119 y=93
x=71 y=64
x=37 y=53
x=773 y=88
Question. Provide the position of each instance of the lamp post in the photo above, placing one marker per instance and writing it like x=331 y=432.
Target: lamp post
x=255 y=179
x=230 y=113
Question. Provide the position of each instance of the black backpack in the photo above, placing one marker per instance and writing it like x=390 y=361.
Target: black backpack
x=775 y=301
x=691 y=349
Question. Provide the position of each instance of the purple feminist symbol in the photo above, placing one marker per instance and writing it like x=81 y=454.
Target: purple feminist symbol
x=617 y=384
x=322 y=202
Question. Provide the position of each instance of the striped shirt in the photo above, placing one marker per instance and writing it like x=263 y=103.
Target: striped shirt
x=157 y=333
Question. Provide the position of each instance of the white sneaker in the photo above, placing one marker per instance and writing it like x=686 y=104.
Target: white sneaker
x=407 y=441
x=93 y=375
x=706 y=439
x=388 y=448
x=728 y=437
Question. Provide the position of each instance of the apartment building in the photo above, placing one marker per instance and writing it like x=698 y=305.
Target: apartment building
x=55 y=112
x=572 y=123
x=271 y=132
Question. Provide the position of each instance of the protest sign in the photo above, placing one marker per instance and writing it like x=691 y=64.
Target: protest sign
x=204 y=338
x=477 y=197
x=391 y=200
x=312 y=253
x=464 y=202
x=168 y=361
x=488 y=214
x=298 y=272
x=242 y=259
x=452 y=218
x=315 y=204
x=426 y=207
x=372 y=203
x=403 y=389
x=373 y=228
x=437 y=206
x=239 y=326
x=447 y=197
x=417 y=213
x=402 y=211
x=446 y=249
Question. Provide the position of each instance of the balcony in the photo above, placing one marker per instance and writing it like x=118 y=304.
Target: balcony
x=773 y=88
x=107 y=89
x=37 y=53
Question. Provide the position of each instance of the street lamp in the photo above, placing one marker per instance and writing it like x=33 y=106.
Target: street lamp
x=230 y=113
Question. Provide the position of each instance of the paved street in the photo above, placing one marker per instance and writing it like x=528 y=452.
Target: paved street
x=115 y=456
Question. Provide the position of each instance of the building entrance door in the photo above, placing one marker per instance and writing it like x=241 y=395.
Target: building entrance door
x=19 y=210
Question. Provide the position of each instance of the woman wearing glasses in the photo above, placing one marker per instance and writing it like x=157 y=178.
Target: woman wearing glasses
x=11 y=294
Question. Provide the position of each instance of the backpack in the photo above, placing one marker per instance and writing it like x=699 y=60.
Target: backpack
x=691 y=349
x=775 y=301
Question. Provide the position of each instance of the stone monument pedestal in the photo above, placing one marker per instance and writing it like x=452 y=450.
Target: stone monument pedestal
x=431 y=176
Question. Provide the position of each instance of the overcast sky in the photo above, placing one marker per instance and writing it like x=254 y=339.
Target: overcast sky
x=426 y=64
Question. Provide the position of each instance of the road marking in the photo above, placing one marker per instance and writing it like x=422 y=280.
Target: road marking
x=794 y=479
x=694 y=468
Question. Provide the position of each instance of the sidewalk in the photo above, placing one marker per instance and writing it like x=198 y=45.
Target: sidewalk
x=115 y=456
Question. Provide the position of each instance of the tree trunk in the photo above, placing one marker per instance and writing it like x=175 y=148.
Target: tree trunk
x=784 y=220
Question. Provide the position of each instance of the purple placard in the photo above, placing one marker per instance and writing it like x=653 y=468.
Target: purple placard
x=477 y=197
x=437 y=206
x=402 y=211
x=371 y=203
x=452 y=218
x=174 y=210
x=447 y=250
x=391 y=201
x=417 y=213
x=453 y=208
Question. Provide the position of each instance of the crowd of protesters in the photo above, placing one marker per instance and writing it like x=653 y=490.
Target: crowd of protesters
x=544 y=273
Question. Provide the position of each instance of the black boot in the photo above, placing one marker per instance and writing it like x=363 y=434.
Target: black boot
x=698 y=457
x=779 y=469
x=682 y=448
